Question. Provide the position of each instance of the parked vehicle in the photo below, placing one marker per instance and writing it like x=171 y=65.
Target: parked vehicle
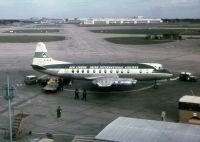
x=187 y=76
x=30 y=80
x=52 y=85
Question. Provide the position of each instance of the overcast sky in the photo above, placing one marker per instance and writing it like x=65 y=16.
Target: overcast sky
x=99 y=8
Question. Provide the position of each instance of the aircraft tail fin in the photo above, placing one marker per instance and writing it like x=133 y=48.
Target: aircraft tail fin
x=40 y=51
x=41 y=57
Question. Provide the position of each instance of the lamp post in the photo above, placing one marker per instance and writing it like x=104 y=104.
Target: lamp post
x=8 y=92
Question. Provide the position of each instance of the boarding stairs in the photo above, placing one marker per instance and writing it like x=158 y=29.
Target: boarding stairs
x=16 y=126
x=83 y=139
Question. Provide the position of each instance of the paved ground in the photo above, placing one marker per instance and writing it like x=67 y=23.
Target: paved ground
x=103 y=106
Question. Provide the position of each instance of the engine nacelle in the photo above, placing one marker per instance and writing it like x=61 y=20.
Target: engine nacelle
x=107 y=82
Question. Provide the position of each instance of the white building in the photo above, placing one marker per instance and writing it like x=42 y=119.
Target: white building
x=52 y=21
x=106 y=21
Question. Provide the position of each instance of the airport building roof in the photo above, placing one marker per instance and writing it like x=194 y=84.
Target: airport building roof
x=125 y=129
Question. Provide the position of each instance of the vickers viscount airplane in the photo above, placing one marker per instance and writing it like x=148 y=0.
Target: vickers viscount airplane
x=103 y=74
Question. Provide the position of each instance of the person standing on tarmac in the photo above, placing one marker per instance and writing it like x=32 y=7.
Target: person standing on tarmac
x=84 y=95
x=60 y=84
x=163 y=116
x=59 y=110
x=76 y=97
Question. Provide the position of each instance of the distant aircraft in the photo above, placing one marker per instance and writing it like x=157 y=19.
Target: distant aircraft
x=103 y=74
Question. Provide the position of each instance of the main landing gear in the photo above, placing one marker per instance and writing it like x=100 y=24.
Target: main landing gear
x=155 y=86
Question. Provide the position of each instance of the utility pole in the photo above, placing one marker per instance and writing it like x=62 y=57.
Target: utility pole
x=8 y=95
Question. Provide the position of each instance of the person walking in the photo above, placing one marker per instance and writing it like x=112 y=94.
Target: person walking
x=76 y=97
x=163 y=116
x=84 y=95
x=59 y=110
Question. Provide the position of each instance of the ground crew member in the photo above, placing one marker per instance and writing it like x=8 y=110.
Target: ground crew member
x=60 y=84
x=76 y=94
x=59 y=110
x=163 y=116
x=84 y=95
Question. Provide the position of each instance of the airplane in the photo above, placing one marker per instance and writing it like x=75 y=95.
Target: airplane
x=100 y=74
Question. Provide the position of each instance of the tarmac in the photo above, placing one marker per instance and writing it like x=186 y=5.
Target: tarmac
x=102 y=105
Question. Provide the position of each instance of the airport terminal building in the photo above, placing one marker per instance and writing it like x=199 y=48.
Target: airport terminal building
x=118 y=21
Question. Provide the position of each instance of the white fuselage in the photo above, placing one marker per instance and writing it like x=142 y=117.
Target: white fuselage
x=90 y=71
x=103 y=74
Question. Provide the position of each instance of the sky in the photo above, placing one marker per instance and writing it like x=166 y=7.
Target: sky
x=22 y=9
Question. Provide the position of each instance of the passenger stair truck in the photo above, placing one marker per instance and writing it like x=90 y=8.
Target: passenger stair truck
x=17 y=129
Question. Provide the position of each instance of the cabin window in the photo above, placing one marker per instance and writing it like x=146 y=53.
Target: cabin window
x=128 y=71
x=88 y=71
x=122 y=71
x=117 y=71
x=140 y=71
x=82 y=71
x=99 y=71
x=105 y=71
x=111 y=71
x=77 y=71
x=94 y=71
x=72 y=71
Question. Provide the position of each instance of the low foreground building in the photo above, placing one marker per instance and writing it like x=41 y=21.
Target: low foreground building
x=125 y=129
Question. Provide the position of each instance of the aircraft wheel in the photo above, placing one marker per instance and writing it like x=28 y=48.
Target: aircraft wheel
x=155 y=86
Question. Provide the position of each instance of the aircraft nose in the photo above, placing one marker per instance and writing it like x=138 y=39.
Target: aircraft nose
x=166 y=73
x=169 y=74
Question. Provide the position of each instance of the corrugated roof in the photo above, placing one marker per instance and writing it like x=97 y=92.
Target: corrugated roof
x=125 y=129
x=190 y=99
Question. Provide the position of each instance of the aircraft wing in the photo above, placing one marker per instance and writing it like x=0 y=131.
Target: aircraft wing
x=114 y=80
